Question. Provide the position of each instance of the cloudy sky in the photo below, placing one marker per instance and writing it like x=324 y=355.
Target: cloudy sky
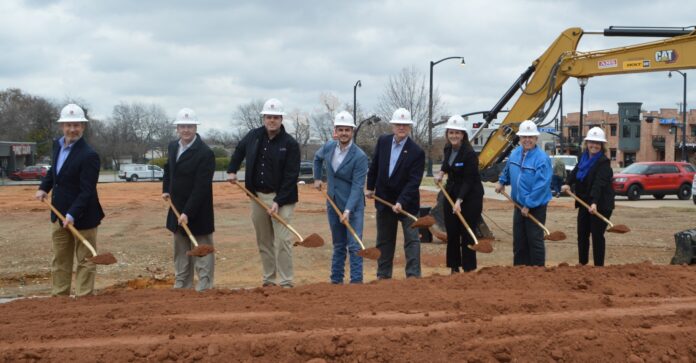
x=215 y=55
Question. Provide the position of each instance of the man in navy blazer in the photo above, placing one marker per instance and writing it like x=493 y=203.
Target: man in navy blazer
x=73 y=178
x=346 y=168
x=395 y=175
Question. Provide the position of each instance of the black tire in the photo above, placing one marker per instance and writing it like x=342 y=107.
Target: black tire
x=684 y=192
x=134 y=177
x=694 y=198
x=633 y=192
x=659 y=196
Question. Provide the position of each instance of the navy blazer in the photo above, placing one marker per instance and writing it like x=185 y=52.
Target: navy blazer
x=75 y=186
x=402 y=185
x=345 y=185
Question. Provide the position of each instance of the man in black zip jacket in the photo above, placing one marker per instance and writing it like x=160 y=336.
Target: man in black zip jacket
x=272 y=170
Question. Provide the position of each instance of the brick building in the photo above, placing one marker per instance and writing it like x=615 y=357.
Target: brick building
x=635 y=135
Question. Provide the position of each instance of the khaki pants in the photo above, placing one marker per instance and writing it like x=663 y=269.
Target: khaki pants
x=185 y=266
x=66 y=248
x=274 y=241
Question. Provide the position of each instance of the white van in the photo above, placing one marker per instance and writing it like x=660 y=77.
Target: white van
x=569 y=160
x=135 y=172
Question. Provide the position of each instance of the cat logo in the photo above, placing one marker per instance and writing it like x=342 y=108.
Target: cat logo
x=667 y=56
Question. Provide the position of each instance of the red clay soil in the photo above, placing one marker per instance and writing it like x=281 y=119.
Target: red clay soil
x=634 y=313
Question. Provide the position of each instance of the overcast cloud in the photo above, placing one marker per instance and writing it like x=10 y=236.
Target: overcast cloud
x=215 y=55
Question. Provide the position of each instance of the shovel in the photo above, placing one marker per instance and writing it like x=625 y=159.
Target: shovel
x=197 y=250
x=313 y=240
x=103 y=259
x=427 y=221
x=618 y=228
x=484 y=245
x=372 y=253
x=551 y=236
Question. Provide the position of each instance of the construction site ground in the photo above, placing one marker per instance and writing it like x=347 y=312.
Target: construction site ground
x=638 y=308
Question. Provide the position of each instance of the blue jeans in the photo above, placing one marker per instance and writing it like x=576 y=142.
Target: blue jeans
x=387 y=223
x=556 y=182
x=344 y=244
x=528 y=238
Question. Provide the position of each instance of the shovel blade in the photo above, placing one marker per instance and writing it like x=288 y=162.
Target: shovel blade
x=484 y=245
x=423 y=222
x=556 y=236
x=370 y=253
x=619 y=228
x=104 y=259
x=442 y=236
x=201 y=250
x=312 y=241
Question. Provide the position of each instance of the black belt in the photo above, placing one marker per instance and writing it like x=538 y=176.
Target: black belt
x=264 y=190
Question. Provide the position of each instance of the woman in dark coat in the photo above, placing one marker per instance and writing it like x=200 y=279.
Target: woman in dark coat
x=591 y=180
x=463 y=183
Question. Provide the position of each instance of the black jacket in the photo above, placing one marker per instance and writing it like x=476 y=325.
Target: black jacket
x=189 y=182
x=463 y=179
x=596 y=188
x=286 y=163
x=402 y=186
x=75 y=187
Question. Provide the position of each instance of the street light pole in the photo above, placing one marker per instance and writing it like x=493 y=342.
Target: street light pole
x=355 y=102
x=683 y=146
x=582 y=81
x=430 y=114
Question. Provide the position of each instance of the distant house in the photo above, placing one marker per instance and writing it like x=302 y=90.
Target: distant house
x=17 y=154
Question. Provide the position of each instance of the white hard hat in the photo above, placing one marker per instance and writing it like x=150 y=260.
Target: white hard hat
x=186 y=116
x=596 y=134
x=72 y=113
x=401 y=116
x=528 y=128
x=456 y=122
x=273 y=107
x=344 y=118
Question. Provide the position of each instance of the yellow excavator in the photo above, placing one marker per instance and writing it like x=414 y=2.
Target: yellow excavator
x=542 y=81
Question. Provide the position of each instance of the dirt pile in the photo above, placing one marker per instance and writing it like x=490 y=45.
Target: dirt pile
x=637 y=312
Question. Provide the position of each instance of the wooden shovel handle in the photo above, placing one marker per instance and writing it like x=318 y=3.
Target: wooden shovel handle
x=72 y=228
x=528 y=214
x=345 y=223
x=407 y=214
x=263 y=205
x=461 y=218
x=188 y=231
x=588 y=208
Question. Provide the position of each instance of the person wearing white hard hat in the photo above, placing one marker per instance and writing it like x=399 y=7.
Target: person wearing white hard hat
x=188 y=181
x=528 y=172
x=464 y=183
x=591 y=181
x=272 y=171
x=346 y=168
x=73 y=179
x=394 y=175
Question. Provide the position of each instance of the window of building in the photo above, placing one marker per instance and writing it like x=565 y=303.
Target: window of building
x=638 y=131
x=693 y=130
x=626 y=131
x=612 y=154
x=573 y=131
x=612 y=130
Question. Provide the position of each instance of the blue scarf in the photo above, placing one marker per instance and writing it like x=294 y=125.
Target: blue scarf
x=586 y=163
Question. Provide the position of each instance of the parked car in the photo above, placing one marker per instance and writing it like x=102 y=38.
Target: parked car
x=658 y=178
x=693 y=189
x=135 y=172
x=569 y=160
x=29 y=172
x=306 y=167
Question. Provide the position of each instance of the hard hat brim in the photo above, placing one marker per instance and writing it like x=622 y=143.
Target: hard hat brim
x=400 y=122
x=72 y=119
x=528 y=133
x=272 y=113
x=186 y=123
x=594 y=139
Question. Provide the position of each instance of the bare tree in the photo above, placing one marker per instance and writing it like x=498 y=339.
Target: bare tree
x=223 y=138
x=140 y=127
x=24 y=117
x=248 y=115
x=301 y=132
x=409 y=90
x=321 y=120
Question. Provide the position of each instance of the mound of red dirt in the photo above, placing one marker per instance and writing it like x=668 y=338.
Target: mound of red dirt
x=635 y=313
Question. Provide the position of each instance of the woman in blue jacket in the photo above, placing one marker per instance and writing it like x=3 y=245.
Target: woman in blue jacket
x=528 y=172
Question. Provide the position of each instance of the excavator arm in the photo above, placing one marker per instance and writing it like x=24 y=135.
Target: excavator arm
x=545 y=77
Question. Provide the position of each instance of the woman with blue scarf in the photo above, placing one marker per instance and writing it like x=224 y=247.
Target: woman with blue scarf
x=591 y=180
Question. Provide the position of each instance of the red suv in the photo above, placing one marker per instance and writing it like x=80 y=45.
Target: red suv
x=657 y=178
x=30 y=172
